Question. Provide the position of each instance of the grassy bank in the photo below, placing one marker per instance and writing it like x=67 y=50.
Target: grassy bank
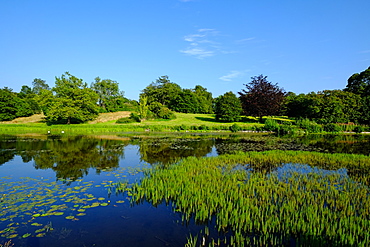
x=182 y=123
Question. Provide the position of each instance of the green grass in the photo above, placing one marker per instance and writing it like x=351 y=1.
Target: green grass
x=260 y=208
x=183 y=122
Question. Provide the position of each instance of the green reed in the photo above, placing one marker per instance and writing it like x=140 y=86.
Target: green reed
x=261 y=207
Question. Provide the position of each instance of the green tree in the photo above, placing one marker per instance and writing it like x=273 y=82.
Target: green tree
x=162 y=91
x=143 y=107
x=12 y=106
x=365 y=111
x=205 y=99
x=73 y=101
x=328 y=106
x=261 y=98
x=27 y=95
x=359 y=83
x=186 y=101
x=228 y=107
x=39 y=85
x=110 y=98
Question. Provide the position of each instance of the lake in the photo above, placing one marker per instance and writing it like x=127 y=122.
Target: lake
x=60 y=190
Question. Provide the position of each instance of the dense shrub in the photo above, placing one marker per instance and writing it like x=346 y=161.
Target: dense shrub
x=125 y=120
x=203 y=127
x=309 y=126
x=235 y=128
x=332 y=127
x=271 y=125
x=135 y=117
x=161 y=111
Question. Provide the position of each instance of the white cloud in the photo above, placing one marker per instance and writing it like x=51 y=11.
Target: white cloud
x=245 y=40
x=201 y=44
x=233 y=74
x=198 y=52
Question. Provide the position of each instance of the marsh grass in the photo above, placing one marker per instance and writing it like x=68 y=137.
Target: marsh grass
x=247 y=197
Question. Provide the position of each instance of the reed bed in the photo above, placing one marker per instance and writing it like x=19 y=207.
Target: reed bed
x=262 y=207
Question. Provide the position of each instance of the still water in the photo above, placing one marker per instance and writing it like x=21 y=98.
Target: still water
x=59 y=191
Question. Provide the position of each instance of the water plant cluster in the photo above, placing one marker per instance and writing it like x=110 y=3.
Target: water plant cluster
x=28 y=206
x=255 y=203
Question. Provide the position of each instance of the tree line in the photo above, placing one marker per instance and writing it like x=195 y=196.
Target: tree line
x=71 y=100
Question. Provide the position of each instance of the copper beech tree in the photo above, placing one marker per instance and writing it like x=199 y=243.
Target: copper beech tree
x=261 y=97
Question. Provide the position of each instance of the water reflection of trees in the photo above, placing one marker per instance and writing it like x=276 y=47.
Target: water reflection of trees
x=70 y=158
x=168 y=150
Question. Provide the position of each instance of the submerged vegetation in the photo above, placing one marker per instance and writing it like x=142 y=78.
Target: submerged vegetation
x=261 y=201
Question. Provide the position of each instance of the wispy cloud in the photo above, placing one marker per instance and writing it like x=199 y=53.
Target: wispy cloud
x=233 y=74
x=245 y=40
x=198 y=52
x=201 y=43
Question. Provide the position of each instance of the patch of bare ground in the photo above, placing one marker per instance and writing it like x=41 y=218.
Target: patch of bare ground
x=36 y=118
x=109 y=116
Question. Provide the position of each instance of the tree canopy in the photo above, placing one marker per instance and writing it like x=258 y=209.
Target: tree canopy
x=162 y=91
x=261 y=97
x=110 y=98
x=73 y=101
x=12 y=106
x=359 y=83
x=228 y=107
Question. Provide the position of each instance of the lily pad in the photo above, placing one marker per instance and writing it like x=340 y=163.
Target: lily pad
x=36 y=224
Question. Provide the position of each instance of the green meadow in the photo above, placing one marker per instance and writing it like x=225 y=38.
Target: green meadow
x=183 y=122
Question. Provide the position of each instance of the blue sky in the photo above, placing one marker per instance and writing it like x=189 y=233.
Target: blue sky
x=303 y=46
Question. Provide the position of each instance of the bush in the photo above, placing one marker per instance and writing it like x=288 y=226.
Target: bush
x=161 y=111
x=285 y=129
x=309 y=126
x=125 y=120
x=166 y=113
x=332 y=127
x=271 y=125
x=135 y=117
x=235 y=128
x=203 y=127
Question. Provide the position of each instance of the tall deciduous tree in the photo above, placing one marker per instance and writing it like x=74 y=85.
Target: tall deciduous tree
x=228 y=107
x=261 y=98
x=205 y=99
x=73 y=101
x=359 y=83
x=39 y=85
x=162 y=91
x=12 y=106
x=110 y=98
